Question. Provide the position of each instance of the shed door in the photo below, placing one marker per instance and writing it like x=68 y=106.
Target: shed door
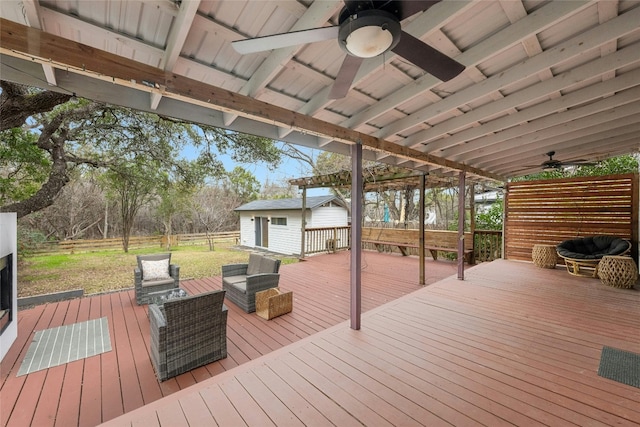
x=262 y=231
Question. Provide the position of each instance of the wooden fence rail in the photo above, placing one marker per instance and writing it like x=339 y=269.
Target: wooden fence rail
x=136 y=242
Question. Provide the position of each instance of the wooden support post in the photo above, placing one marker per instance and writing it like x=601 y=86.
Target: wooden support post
x=461 y=211
x=356 y=235
x=472 y=221
x=421 y=251
x=304 y=223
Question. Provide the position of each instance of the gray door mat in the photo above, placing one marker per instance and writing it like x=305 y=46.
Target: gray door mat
x=619 y=365
x=64 y=344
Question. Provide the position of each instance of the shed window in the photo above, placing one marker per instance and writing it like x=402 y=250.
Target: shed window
x=278 y=221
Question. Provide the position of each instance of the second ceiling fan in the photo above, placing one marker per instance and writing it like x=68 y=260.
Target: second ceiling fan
x=553 y=164
x=366 y=28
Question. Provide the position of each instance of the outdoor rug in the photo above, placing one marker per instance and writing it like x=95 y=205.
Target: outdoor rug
x=57 y=346
x=619 y=365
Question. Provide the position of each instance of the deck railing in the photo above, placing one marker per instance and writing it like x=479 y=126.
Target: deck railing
x=327 y=239
x=487 y=243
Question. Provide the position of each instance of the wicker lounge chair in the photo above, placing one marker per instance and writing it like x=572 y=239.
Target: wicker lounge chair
x=242 y=281
x=187 y=333
x=160 y=275
x=582 y=256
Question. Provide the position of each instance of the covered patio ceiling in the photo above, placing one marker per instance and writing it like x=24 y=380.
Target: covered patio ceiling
x=539 y=76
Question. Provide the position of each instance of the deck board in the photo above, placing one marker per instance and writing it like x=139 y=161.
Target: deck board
x=510 y=345
x=97 y=389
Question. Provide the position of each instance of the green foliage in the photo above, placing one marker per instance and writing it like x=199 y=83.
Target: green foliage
x=242 y=183
x=492 y=218
x=612 y=166
x=24 y=167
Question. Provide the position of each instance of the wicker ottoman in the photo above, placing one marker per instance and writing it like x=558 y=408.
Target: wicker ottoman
x=544 y=256
x=273 y=303
x=618 y=271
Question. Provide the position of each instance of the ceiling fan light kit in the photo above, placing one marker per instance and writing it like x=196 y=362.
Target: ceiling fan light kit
x=369 y=33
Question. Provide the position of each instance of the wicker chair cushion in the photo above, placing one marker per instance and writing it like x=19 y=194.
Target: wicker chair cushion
x=254 y=264
x=155 y=270
x=153 y=257
x=150 y=283
x=268 y=265
x=594 y=247
x=239 y=281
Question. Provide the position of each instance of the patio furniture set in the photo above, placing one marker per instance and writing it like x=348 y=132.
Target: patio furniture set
x=188 y=331
x=603 y=257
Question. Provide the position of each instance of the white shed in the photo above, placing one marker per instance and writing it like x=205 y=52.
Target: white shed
x=276 y=225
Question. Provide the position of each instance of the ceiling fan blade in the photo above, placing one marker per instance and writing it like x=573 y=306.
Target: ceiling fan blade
x=344 y=79
x=429 y=59
x=261 y=44
x=579 y=162
x=408 y=8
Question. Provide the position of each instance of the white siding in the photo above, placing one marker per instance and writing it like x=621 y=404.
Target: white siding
x=332 y=216
x=286 y=239
x=247 y=230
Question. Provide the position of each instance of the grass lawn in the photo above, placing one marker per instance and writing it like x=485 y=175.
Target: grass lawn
x=103 y=271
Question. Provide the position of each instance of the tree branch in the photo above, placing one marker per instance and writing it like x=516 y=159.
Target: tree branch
x=17 y=104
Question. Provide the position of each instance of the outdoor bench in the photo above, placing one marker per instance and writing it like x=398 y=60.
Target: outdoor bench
x=435 y=241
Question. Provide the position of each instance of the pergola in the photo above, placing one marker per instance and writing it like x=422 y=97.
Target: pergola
x=383 y=178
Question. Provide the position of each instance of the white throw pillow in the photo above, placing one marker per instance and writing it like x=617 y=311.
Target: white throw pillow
x=155 y=270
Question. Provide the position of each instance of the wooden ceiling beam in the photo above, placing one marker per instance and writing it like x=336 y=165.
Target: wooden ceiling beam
x=21 y=41
x=535 y=22
x=621 y=58
x=536 y=118
x=561 y=53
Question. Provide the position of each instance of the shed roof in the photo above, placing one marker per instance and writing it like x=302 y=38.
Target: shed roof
x=288 y=204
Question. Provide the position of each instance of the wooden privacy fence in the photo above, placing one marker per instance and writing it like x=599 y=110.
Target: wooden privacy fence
x=551 y=211
x=136 y=242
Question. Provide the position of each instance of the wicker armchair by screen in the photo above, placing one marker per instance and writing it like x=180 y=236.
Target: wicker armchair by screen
x=242 y=281
x=187 y=333
x=583 y=255
x=154 y=273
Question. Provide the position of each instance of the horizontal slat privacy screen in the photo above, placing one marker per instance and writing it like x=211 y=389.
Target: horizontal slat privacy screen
x=550 y=211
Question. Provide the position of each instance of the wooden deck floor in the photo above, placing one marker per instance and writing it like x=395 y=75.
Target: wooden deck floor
x=510 y=345
x=97 y=389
